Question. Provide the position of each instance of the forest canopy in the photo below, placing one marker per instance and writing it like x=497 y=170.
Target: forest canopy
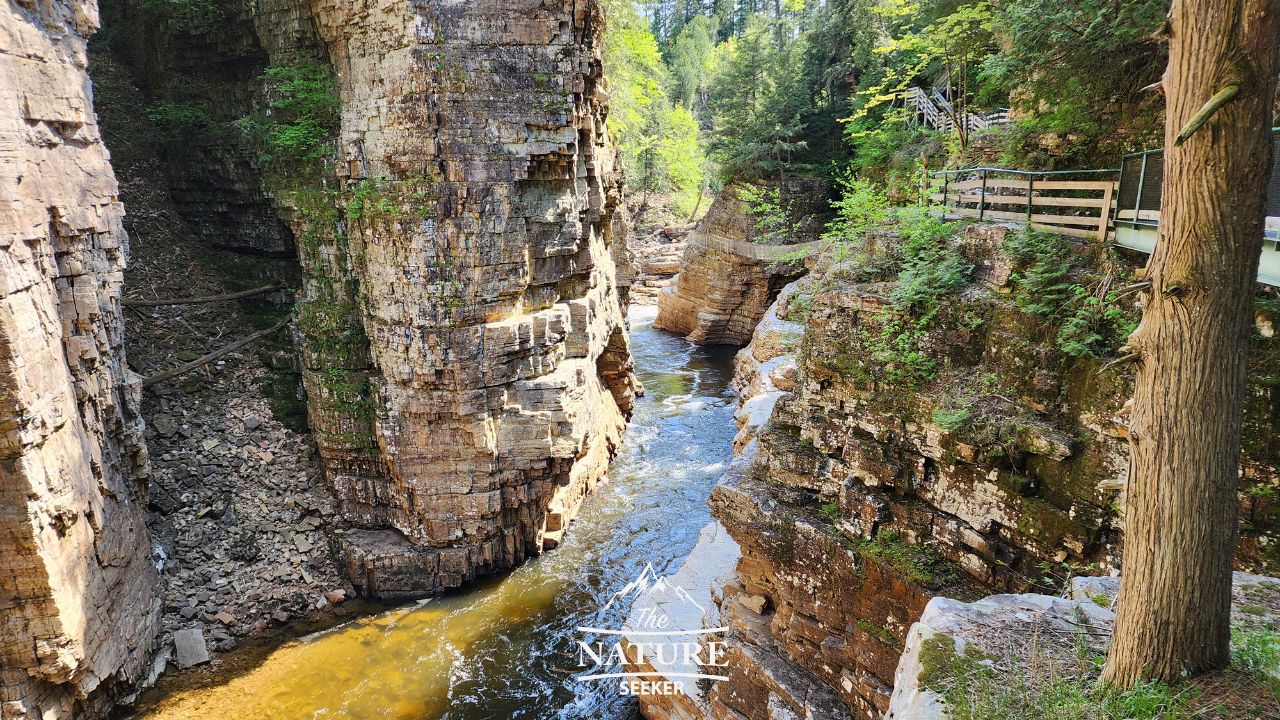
x=704 y=91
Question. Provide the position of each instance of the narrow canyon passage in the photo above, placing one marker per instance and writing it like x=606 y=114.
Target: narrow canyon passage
x=507 y=647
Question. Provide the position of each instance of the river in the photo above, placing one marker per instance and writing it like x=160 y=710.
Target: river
x=506 y=647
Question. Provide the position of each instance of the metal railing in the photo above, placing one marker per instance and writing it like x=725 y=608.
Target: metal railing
x=1077 y=208
x=1141 y=181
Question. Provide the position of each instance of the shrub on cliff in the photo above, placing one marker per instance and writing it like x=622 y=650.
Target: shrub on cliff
x=301 y=121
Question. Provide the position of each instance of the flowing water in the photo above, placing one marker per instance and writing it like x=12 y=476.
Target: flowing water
x=506 y=648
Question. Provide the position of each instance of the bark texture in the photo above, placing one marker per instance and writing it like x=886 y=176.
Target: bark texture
x=1180 y=518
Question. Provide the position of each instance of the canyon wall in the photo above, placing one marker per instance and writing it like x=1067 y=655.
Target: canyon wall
x=79 y=595
x=461 y=321
x=873 y=477
x=729 y=275
x=480 y=375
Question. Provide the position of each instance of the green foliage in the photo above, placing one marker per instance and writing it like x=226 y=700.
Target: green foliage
x=830 y=511
x=660 y=141
x=950 y=46
x=1256 y=650
x=1040 y=686
x=181 y=123
x=859 y=207
x=803 y=87
x=1051 y=286
x=931 y=267
x=692 y=61
x=1070 y=60
x=896 y=350
x=302 y=123
x=771 y=217
x=952 y=418
x=758 y=123
x=920 y=564
x=182 y=15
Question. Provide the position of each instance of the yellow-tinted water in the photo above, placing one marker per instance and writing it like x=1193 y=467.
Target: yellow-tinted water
x=506 y=648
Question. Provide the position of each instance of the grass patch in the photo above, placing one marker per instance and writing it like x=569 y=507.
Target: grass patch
x=918 y=563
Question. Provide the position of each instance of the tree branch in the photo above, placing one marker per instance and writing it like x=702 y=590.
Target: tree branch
x=1206 y=111
x=206 y=299
x=198 y=362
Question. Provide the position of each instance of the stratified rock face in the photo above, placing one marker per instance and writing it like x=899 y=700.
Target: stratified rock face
x=726 y=282
x=466 y=353
x=79 y=595
x=868 y=499
x=211 y=70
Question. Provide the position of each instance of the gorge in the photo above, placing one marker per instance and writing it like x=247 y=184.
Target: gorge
x=404 y=359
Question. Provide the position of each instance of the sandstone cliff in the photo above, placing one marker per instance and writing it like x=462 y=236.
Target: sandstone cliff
x=728 y=276
x=78 y=590
x=463 y=249
x=466 y=353
x=971 y=457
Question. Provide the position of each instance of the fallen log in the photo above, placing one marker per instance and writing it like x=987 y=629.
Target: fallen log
x=206 y=299
x=205 y=360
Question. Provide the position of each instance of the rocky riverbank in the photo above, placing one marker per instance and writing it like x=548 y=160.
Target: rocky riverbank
x=657 y=259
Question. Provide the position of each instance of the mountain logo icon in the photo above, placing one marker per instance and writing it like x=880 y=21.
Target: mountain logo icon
x=655 y=586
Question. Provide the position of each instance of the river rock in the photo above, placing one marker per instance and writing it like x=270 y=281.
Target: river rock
x=190 y=648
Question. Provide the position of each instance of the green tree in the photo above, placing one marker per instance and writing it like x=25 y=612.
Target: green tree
x=691 y=62
x=660 y=142
x=1068 y=60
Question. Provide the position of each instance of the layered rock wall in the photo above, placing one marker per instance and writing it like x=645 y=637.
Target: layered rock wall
x=479 y=378
x=200 y=72
x=879 y=484
x=79 y=595
x=461 y=322
x=726 y=280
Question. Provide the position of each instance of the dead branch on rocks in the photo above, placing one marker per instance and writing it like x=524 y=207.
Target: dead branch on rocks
x=205 y=360
x=206 y=299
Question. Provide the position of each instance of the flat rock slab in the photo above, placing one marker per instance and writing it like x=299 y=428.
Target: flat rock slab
x=190 y=648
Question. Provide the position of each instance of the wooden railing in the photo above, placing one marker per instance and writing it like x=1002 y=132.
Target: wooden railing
x=1042 y=200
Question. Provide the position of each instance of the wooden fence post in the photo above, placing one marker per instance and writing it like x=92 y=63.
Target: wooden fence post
x=1105 y=219
x=1031 y=186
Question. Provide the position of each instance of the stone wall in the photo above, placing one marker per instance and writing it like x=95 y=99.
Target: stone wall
x=461 y=321
x=721 y=292
x=479 y=378
x=79 y=601
x=866 y=498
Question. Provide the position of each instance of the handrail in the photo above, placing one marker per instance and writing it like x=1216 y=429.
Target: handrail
x=1274 y=131
x=1073 y=217
x=1024 y=172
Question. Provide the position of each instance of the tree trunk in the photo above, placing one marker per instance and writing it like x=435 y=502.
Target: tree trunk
x=1180 y=514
